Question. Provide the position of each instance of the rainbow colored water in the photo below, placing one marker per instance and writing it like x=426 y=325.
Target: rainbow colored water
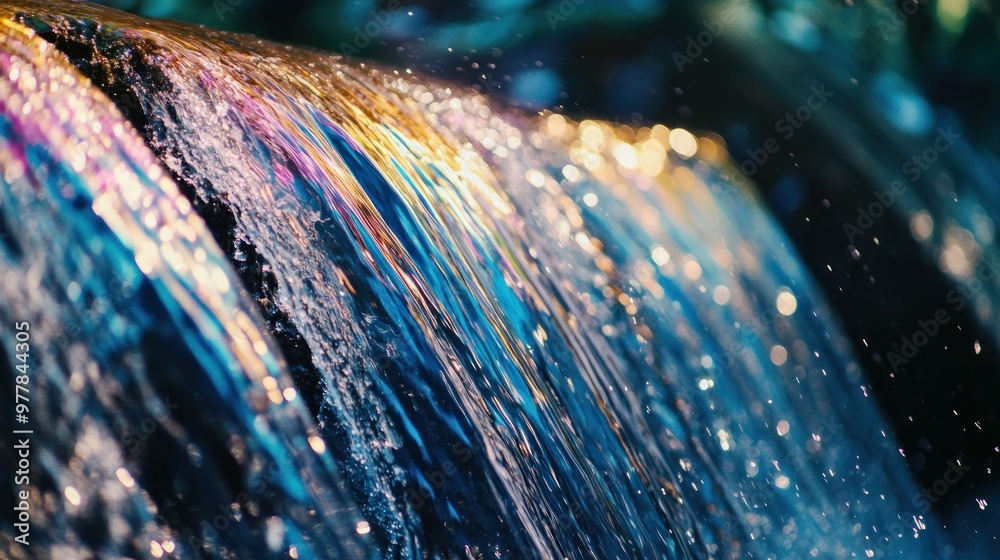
x=312 y=310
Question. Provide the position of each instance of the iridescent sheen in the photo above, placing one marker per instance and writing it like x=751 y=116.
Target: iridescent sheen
x=527 y=337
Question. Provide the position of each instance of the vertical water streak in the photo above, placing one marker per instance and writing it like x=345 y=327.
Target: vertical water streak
x=154 y=391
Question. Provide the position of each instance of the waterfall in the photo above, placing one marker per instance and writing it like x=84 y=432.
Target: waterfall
x=282 y=305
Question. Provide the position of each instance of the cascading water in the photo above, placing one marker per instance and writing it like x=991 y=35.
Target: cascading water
x=282 y=306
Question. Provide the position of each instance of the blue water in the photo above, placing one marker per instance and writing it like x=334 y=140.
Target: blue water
x=314 y=310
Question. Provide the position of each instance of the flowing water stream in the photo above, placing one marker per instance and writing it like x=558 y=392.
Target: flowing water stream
x=286 y=306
